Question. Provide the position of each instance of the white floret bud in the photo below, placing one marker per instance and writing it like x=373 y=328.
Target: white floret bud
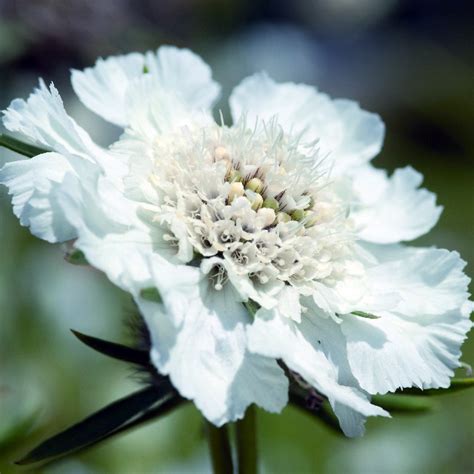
x=267 y=215
x=221 y=153
x=236 y=190
x=283 y=217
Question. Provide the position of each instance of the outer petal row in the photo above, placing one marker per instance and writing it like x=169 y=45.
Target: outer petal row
x=392 y=210
x=346 y=134
x=315 y=349
x=416 y=342
x=104 y=87
x=204 y=349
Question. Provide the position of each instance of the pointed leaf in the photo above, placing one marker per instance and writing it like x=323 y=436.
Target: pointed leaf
x=363 y=314
x=404 y=403
x=97 y=426
x=114 y=350
x=457 y=384
x=173 y=401
x=18 y=146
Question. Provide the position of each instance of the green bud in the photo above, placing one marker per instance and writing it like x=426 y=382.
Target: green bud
x=271 y=203
x=297 y=215
x=255 y=185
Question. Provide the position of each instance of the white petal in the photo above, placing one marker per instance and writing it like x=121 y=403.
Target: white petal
x=361 y=137
x=42 y=118
x=395 y=209
x=207 y=359
x=102 y=88
x=109 y=232
x=289 y=303
x=181 y=72
x=393 y=352
x=297 y=106
x=417 y=342
x=153 y=111
x=348 y=135
x=425 y=280
x=313 y=349
x=35 y=184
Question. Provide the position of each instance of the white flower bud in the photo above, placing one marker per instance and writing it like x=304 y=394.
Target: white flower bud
x=221 y=153
x=267 y=215
x=236 y=190
x=282 y=217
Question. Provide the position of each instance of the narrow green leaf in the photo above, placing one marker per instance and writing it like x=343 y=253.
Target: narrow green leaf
x=460 y=383
x=363 y=314
x=173 y=401
x=18 y=146
x=114 y=350
x=397 y=403
x=252 y=307
x=98 y=426
x=457 y=384
x=151 y=294
x=76 y=257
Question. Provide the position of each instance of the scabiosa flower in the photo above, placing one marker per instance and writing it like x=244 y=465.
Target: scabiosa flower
x=273 y=243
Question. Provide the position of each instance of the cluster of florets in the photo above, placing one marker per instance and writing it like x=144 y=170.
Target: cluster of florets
x=253 y=198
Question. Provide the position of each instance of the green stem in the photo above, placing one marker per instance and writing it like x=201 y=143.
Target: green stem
x=219 y=447
x=246 y=435
x=19 y=146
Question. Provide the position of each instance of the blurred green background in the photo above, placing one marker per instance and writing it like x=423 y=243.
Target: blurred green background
x=410 y=61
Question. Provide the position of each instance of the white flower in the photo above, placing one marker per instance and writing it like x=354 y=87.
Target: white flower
x=282 y=208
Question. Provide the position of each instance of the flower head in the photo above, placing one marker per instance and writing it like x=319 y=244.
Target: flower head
x=281 y=210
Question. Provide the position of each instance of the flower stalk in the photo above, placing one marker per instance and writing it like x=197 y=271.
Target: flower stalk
x=246 y=437
x=219 y=448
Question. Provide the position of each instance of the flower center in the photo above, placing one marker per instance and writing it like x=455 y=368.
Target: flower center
x=257 y=200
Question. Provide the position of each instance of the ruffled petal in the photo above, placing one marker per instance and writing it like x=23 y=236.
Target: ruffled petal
x=417 y=342
x=42 y=118
x=102 y=88
x=207 y=360
x=34 y=184
x=361 y=137
x=393 y=209
x=347 y=135
x=314 y=349
x=395 y=352
x=110 y=233
x=181 y=72
x=425 y=280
